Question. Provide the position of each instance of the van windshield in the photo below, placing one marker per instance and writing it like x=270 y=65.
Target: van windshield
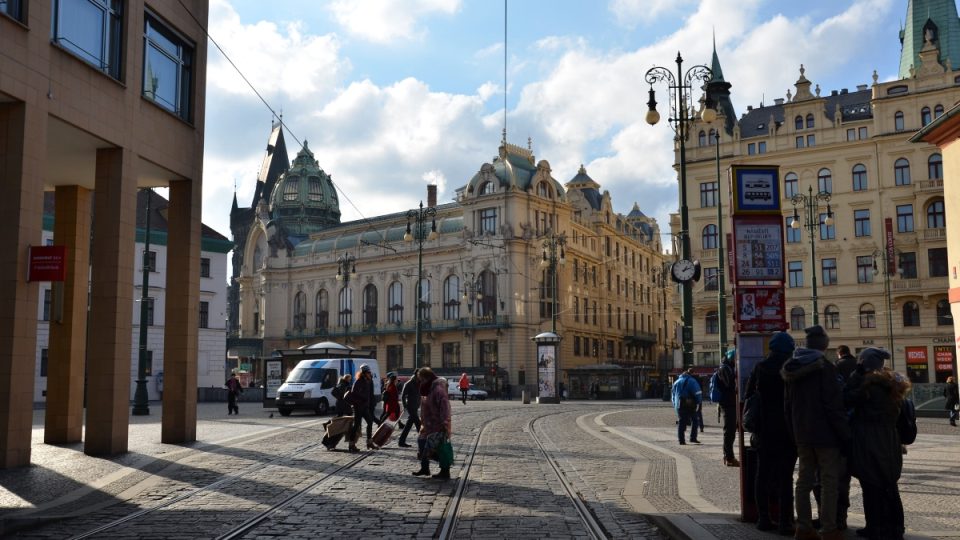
x=326 y=377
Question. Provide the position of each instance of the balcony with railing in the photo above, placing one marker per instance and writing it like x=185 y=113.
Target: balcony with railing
x=927 y=186
x=935 y=234
x=406 y=327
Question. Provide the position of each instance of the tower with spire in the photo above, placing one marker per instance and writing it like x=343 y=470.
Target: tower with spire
x=929 y=23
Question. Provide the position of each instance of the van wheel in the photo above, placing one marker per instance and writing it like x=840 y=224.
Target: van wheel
x=322 y=407
x=285 y=412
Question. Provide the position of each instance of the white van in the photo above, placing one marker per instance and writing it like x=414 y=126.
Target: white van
x=309 y=385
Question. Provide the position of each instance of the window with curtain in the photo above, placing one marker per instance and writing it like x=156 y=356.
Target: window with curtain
x=868 y=316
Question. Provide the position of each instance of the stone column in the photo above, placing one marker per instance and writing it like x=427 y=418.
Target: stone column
x=68 y=333
x=109 y=350
x=22 y=153
x=182 y=317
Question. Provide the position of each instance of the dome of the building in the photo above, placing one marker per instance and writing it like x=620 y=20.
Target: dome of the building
x=304 y=200
x=513 y=168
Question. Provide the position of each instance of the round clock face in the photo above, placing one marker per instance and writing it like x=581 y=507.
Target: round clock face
x=683 y=270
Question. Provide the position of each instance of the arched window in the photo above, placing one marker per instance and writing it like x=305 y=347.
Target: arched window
x=901 y=172
x=809 y=121
x=423 y=299
x=345 y=312
x=487 y=188
x=487 y=305
x=370 y=305
x=868 y=316
x=898 y=121
x=702 y=138
x=712 y=323
x=798 y=318
x=936 y=219
x=831 y=316
x=451 y=298
x=323 y=310
x=944 y=317
x=938 y=111
x=924 y=116
x=911 y=314
x=825 y=181
x=300 y=311
x=859 y=177
x=710 y=237
x=935 y=167
x=543 y=190
x=798 y=122
x=395 y=302
x=790 y=184
x=713 y=137
x=291 y=190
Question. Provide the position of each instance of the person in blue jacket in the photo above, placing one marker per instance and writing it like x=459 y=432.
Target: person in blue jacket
x=687 y=397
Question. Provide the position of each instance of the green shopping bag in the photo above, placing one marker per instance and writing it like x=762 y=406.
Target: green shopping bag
x=445 y=454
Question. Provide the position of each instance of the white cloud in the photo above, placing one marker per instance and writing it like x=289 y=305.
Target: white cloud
x=384 y=21
x=629 y=13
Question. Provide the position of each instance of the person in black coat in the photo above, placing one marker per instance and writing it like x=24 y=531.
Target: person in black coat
x=362 y=401
x=953 y=398
x=410 y=396
x=342 y=408
x=875 y=394
x=776 y=452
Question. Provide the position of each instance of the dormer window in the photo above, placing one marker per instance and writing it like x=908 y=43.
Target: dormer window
x=543 y=190
x=315 y=193
x=487 y=188
x=291 y=189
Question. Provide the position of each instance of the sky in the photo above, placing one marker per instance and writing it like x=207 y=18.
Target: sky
x=393 y=95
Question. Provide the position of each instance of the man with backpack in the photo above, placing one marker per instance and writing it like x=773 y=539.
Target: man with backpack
x=723 y=392
x=687 y=396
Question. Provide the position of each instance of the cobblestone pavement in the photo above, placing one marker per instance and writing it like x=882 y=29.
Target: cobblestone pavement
x=621 y=458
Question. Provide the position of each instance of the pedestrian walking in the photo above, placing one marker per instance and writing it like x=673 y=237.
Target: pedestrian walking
x=776 y=452
x=846 y=362
x=875 y=394
x=687 y=396
x=391 y=400
x=234 y=389
x=410 y=395
x=436 y=421
x=361 y=397
x=817 y=421
x=464 y=386
x=341 y=407
x=727 y=375
x=953 y=400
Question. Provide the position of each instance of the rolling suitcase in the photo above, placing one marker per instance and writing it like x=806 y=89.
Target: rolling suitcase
x=382 y=436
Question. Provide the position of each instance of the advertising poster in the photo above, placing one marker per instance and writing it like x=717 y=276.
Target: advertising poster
x=546 y=370
x=917 y=364
x=756 y=189
x=758 y=248
x=760 y=309
x=274 y=377
x=943 y=357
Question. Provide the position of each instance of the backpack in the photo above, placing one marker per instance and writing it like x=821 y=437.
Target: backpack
x=907 y=422
x=717 y=388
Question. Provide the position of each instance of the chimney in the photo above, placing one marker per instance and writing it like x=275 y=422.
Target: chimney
x=432 y=195
x=749 y=107
x=861 y=87
x=778 y=101
x=844 y=91
x=834 y=93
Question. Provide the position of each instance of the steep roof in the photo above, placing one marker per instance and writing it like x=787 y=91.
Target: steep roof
x=935 y=19
x=849 y=105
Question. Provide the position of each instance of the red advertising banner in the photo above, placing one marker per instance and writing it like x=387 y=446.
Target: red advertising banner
x=916 y=355
x=47 y=263
x=760 y=308
x=943 y=356
x=891 y=252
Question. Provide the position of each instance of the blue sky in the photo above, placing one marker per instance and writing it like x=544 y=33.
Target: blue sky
x=395 y=94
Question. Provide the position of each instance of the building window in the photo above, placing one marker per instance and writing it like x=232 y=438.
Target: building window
x=810 y=121
x=831 y=317
x=935 y=167
x=168 y=64
x=150 y=305
x=790 y=183
x=936 y=219
x=300 y=311
x=488 y=353
x=423 y=299
x=862 y=132
x=865 y=269
x=901 y=172
x=394 y=357
x=795 y=269
x=859 y=177
x=291 y=190
x=395 y=303
x=13 y=8
x=204 y=267
x=487 y=188
x=828 y=270
x=451 y=298
x=204 y=314
x=710 y=237
x=708 y=194
x=488 y=221
x=576 y=345
x=911 y=314
x=811 y=141
x=702 y=138
x=44 y=354
x=938 y=111
x=798 y=318
x=712 y=323
x=450 y=355
x=711 y=279
x=825 y=181
x=827 y=232
x=547 y=293
x=322 y=310
x=798 y=123
x=487 y=306
x=868 y=317
x=944 y=316
x=898 y=121
x=861 y=223
x=762 y=147
x=905 y=218
x=799 y=141
x=370 y=305
x=751 y=149
x=345 y=313
x=924 y=116
x=47 y=303
x=594 y=313
x=937 y=261
x=908 y=265
x=92 y=30
x=793 y=235
x=151 y=262
x=851 y=134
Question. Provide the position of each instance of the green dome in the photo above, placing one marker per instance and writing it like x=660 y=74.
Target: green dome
x=304 y=200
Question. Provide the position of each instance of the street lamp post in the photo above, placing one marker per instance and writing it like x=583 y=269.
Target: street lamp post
x=887 y=264
x=346 y=269
x=721 y=260
x=472 y=293
x=811 y=205
x=141 y=403
x=552 y=255
x=420 y=217
x=680 y=106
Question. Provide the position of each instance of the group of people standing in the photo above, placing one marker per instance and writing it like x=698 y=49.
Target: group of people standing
x=424 y=397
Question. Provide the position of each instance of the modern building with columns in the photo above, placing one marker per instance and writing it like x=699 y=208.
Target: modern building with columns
x=97 y=100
